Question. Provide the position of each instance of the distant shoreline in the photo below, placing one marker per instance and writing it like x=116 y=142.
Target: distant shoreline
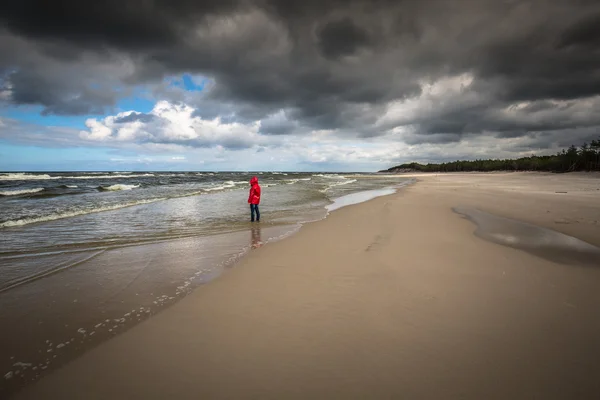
x=500 y=171
x=573 y=159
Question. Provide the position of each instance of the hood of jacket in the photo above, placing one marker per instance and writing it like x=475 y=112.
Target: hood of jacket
x=254 y=180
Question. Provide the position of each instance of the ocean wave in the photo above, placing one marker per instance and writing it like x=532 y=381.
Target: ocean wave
x=292 y=181
x=344 y=182
x=225 y=185
x=68 y=186
x=21 y=176
x=20 y=192
x=331 y=186
x=330 y=176
x=107 y=176
x=75 y=213
x=114 y=188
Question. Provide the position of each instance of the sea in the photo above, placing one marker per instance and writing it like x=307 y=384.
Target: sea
x=85 y=256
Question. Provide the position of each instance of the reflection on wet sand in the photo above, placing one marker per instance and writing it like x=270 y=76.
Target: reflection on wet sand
x=255 y=236
x=542 y=242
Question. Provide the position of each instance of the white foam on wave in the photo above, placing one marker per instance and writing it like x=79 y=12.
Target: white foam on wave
x=213 y=189
x=22 y=364
x=71 y=186
x=330 y=176
x=21 y=176
x=293 y=181
x=19 y=192
x=338 y=184
x=225 y=185
x=107 y=176
x=344 y=182
x=52 y=217
x=113 y=188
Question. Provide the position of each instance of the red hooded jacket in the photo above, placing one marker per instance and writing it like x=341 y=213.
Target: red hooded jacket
x=254 y=196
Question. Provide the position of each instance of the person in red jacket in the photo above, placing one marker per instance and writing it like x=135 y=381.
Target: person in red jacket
x=254 y=199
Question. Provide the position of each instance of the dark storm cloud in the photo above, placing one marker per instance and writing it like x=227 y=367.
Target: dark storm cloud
x=330 y=64
x=341 y=38
x=445 y=126
x=436 y=138
x=277 y=124
x=132 y=24
x=584 y=32
x=59 y=97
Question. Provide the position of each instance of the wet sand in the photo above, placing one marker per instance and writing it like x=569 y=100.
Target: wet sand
x=438 y=291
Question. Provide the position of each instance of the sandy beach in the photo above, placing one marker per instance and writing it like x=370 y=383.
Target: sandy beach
x=449 y=289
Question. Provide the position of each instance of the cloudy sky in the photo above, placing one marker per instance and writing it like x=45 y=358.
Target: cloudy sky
x=293 y=85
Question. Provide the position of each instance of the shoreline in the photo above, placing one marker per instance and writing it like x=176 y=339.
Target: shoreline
x=361 y=301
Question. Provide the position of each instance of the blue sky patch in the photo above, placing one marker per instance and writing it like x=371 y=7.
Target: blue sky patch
x=188 y=82
x=33 y=114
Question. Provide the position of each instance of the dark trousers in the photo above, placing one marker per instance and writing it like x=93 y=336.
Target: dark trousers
x=253 y=209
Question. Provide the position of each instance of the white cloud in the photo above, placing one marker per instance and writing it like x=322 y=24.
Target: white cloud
x=436 y=98
x=98 y=131
x=176 y=124
x=6 y=92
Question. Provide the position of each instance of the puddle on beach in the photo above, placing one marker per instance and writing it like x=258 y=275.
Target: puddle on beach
x=541 y=242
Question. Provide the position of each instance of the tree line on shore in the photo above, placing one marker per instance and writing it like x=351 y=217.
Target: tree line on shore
x=584 y=158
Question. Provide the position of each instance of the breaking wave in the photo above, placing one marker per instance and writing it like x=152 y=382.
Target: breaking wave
x=22 y=176
x=75 y=213
x=341 y=183
x=107 y=176
x=20 y=192
x=113 y=188
x=225 y=185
